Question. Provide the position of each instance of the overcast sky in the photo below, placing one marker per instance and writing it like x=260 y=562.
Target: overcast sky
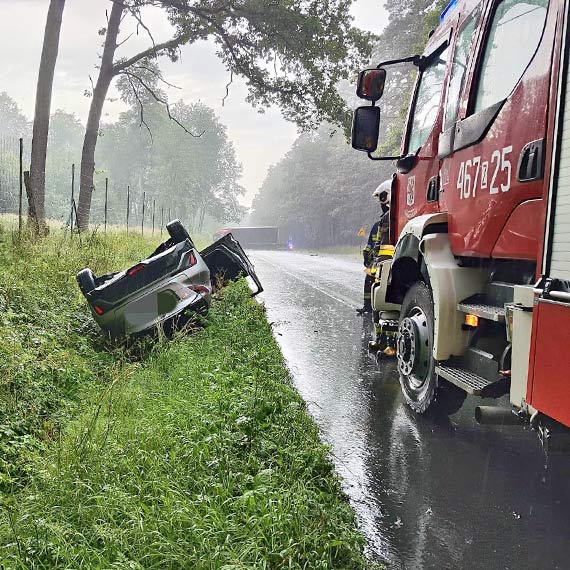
x=199 y=74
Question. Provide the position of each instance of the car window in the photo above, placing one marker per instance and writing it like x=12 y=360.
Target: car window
x=459 y=67
x=427 y=102
x=513 y=38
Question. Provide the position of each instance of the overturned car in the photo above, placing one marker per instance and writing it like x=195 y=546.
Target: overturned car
x=175 y=280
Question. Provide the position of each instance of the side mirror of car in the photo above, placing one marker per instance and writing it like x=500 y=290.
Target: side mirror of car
x=366 y=128
x=371 y=84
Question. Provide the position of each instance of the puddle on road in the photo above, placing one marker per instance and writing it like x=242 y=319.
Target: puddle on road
x=428 y=494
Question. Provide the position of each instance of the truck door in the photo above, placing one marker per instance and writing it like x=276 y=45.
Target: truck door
x=417 y=184
x=549 y=383
x=492 y=145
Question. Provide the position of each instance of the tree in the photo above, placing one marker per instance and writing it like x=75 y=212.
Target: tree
x=64 y=145
x=108 y=70
x=292 y=53
x=196 y=176
x=320 y=192
x=13 y=124
x=36 y=187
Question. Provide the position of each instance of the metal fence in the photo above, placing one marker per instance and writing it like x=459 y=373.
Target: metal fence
x=111 y=208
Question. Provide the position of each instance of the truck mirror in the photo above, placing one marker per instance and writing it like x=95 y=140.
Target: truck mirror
x=371 y=84
x=366 y=128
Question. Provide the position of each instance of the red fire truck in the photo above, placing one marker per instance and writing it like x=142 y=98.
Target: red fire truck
x=479 y=284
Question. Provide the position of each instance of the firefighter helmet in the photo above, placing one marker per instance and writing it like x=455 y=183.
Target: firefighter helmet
x=383 y=192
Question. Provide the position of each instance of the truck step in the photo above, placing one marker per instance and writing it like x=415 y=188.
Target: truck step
x=469 y=381
x=498 y=293
x=476 y=305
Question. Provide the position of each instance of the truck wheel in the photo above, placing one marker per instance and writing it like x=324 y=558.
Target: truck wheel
x=449 y=398
x=177 y=231
x=416 y=365
x=86 y=281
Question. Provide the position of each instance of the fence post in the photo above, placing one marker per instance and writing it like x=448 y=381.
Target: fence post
x=72 y=194
x=128 y=205
x=21 y=187
x=142 y=222
x=153 y=212
x=74 y=206
x=106 y=197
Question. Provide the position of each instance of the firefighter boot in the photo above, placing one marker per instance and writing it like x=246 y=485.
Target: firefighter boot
x=378 y=344
x=364 y=310
x=390 y=349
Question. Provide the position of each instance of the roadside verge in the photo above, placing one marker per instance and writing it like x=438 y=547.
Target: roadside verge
x=198 y=453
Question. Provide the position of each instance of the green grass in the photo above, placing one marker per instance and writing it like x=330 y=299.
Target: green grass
x=192 y=453
x=49 y=345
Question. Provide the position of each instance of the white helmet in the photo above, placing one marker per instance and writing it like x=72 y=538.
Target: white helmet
x=383 y=192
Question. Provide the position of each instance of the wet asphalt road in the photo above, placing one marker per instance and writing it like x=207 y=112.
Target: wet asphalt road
x=428 y=494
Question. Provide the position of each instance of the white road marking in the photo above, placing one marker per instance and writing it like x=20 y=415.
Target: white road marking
x=344 y=302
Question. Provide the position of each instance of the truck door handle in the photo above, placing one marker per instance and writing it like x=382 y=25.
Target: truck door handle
x=531 y=162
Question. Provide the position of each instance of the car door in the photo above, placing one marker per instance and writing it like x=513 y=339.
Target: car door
x=493 y=149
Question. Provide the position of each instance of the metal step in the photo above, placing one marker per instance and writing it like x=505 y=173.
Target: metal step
x=498 y=293
x=466 y=380
x=477 y=306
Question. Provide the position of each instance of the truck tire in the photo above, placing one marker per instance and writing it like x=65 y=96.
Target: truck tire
x=421 y=386
x=86 y=280
x=177 y=231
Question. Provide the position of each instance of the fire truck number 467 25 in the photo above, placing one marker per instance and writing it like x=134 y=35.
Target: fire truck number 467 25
x=474 y=174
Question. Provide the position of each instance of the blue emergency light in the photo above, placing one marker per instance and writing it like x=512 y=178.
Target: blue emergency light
x=447 y=10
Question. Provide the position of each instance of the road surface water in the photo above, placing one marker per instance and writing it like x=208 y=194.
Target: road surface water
x=428 y=494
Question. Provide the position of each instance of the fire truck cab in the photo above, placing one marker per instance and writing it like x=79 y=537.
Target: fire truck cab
x=481 y=210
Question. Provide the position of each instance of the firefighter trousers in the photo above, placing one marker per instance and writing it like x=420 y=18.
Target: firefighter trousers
x=368 y=281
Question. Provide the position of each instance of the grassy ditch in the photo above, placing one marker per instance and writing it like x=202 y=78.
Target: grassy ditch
x=195 y=453
x=49 y=346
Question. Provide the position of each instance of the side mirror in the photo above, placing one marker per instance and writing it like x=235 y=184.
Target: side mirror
x=366 y=128
x=371 y=84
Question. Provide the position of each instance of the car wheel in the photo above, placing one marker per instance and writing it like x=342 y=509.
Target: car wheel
x=86 y=281
x=177 y=231
x=422 y=388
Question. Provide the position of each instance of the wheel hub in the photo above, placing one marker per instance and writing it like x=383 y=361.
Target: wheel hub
x=413 y=347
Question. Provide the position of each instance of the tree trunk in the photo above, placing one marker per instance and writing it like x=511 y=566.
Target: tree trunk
x=202 y=216
x=42 y=112
x=106 y=74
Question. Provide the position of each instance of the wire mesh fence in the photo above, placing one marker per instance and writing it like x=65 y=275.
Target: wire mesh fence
x=129 y=208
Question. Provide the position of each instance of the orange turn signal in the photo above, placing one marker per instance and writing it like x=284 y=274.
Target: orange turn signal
x=471 y=320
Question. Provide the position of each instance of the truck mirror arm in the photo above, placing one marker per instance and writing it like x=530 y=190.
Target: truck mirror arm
x=416 y=60
x=372 y=157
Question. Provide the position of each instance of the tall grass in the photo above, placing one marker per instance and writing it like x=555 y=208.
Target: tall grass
x=196 y=453
x=49 y=345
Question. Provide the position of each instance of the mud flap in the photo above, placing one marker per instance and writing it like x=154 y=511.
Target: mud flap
x=227 y=260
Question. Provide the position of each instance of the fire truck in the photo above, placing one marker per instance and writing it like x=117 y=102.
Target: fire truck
x=479 y=283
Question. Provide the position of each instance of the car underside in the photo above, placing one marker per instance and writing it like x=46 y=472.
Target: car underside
x=174 y=281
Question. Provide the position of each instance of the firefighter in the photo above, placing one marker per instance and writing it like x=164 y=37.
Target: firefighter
x=378 y=236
